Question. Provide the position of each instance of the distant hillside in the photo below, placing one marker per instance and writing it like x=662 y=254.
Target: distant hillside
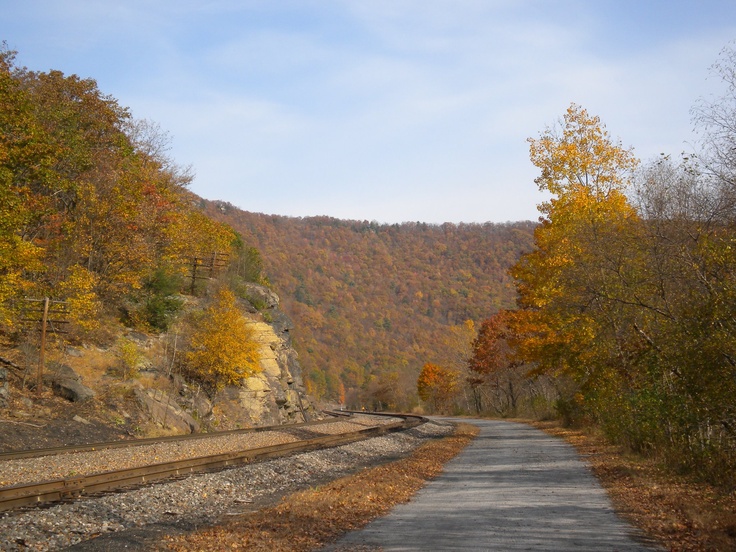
x=371 y=302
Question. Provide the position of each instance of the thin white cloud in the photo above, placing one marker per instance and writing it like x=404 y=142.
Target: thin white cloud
x=390 y=109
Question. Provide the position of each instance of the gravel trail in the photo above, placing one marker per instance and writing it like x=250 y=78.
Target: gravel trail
x=513 y=488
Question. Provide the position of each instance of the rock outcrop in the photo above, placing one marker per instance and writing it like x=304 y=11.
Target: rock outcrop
x=276 y=395
x=66 y=383
x=163 y=409
x=273 y=396
x=155 y=394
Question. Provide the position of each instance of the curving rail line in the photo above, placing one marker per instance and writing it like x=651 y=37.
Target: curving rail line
x=34 y=494
x=125 y=443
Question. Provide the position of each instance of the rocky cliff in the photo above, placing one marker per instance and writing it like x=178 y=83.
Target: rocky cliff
x=86 y=398
x=275 y=395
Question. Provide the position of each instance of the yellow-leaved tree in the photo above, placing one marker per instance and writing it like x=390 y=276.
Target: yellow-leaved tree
x=575 y=287
x=84 y=305
x=222 y=348
x=20 y=144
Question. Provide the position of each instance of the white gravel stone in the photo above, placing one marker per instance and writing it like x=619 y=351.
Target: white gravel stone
x=33 y=470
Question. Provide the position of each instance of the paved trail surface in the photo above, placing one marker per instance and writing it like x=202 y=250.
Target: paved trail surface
x=514 y=488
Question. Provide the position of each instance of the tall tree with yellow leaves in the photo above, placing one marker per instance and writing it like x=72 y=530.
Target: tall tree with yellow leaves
x=575 y=287
x=21 y=149
x=636 y=304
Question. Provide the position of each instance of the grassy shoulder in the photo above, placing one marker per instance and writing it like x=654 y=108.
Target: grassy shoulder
x=680 y=514
x=310 y=519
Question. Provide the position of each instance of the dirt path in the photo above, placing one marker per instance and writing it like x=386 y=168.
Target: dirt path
x=513 y=488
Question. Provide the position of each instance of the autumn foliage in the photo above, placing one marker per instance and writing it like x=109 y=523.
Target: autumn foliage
x=95 y=214
x=629 y=293
x=222 y=350
x=436 y=386
x=372 y=303
x=90 y=206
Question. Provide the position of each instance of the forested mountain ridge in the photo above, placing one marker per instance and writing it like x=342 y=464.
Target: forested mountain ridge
x=95 y=216
x=373 y=302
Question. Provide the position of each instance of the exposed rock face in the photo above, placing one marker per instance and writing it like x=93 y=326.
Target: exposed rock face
x=163 y=409
x=261 y=297
x=276 y=395
x=66 y=383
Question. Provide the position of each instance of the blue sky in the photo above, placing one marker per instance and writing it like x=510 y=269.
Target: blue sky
x=386 y=110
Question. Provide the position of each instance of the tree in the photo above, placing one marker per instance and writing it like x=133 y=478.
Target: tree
x=222 y=348
x=690 y=213
x=21 y=147
x=493 y=366
x=84 y=305
x=576 y=271
x=436 y=386
x=129 y=357
x=160 y=302
x=715 y=120
x=580 y=155
x=637 y=306
x=501 y=382
x=584 y=289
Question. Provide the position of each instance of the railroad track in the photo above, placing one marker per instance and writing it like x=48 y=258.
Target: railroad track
x=71 y=449
x=40 y=493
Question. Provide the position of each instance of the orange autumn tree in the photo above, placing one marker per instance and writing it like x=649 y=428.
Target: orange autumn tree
x=496 y=374
x=436 y=386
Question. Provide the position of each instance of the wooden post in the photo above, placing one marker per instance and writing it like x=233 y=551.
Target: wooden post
x=213 y=267
x=42 y=352
x=195 y=261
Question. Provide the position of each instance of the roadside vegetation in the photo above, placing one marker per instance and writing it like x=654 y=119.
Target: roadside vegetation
x=625 y=313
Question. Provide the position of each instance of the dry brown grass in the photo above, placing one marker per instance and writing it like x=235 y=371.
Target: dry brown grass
x=307 y=520
x=682 y=515
x=92 y=366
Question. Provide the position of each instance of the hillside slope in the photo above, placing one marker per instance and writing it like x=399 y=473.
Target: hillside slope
x=371 y=302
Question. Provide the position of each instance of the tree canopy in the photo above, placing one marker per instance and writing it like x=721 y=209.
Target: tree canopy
x=629 y=291
x=90 y=206
x=93 y=213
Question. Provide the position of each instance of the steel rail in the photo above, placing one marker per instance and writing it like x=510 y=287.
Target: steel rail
x=35 y=494
x=416 y=419
x=125 y=443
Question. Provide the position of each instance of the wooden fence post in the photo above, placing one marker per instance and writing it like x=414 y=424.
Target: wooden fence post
x=42 y=352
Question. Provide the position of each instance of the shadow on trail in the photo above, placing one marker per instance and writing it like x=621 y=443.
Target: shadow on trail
x=513 y=488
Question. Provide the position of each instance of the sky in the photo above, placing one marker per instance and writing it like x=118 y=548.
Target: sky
x=382 y=110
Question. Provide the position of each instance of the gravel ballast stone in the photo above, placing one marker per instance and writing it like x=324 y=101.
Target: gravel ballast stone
x=128 y=519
